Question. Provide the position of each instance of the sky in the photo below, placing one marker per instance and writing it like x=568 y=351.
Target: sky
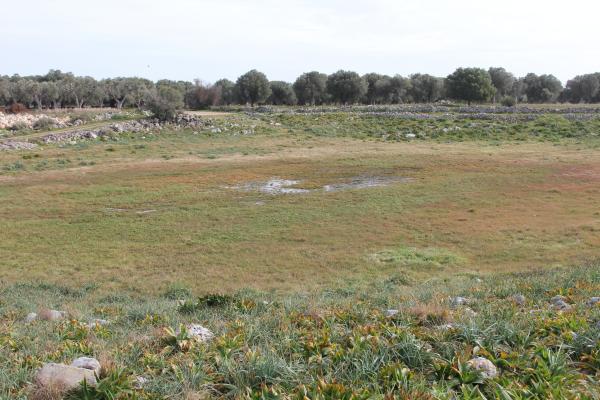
x=209 y=40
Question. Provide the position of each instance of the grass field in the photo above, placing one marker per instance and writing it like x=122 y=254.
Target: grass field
x=372 y=218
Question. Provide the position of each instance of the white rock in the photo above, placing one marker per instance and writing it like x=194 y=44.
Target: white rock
x=483 y=365
x=97 y=322
x=31 y=317
x=391 y=312
x=63 y=377
x=139 y=382
x=87 y=363
x=459 y=301
x=410 y=136
x=198 y=332
x=52 y=315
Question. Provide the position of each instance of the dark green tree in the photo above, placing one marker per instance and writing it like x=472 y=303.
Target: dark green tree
x=503 y=81
x=311 y=88
x=282 y=93
x=470 y=84
x=226 y=91
x=253 y=87
x=424 y=88
x=583 y=88
x=542 y=88
x=346 y=87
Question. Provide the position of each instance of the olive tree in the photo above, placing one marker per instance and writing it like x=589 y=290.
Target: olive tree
x=311 y=88
x=117 y=91
x=282 y=93
x=4 y=91
x=50 y=94
x=502 y=80
x=374 y=92
x=226 y=90
x=424 y=88
x=253 y=87
x=542 y=88
x=346 y=87
x=470 y=84
x=583 y=88
x=86 y=90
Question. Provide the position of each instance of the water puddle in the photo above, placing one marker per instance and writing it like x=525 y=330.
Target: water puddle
x=278 y=186
x=273 y=186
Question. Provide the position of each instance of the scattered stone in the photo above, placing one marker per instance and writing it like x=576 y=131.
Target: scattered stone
x=140 y=382
x=391 y=313
x=16 y=145
x=459 y=301
x=64 y=377
x=484 y=366
x=561 y=305
x=519 y=299
x=557 y=299
x=593 y=301
x=87 y=363
x=97 y=322
x=198 y=332
x=52 y=315
x=31 y=317
x=445 y=327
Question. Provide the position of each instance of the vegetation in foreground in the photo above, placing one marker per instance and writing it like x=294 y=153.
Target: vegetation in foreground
x=382 y=340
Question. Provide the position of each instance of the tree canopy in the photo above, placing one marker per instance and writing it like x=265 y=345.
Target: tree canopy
x=470 y=84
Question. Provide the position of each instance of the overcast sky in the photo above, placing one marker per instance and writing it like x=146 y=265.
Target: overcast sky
x=187 y=39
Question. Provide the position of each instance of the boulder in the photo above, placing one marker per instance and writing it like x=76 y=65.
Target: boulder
x=87 y=363
x=198 y=332
x=484 y=366
x=63 y=377
x=519 y=299
x=561 y=305
x=31 y=317
x=557 y=299
x=52 y=315
x=391 y=312
x=593 y=301
x=459 y=301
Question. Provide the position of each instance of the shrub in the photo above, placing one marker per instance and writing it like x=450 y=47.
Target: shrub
x=16 y=108
x=19 y=126
x=508 y=101
x=164 y=103
x=44 y=123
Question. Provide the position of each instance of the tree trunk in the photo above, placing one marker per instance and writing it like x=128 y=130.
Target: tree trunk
x=120 y=103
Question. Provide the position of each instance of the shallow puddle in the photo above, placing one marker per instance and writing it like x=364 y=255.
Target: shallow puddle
x=278 y=186
x=273 y=186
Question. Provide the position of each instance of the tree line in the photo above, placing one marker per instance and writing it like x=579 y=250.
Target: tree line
x=58 y=89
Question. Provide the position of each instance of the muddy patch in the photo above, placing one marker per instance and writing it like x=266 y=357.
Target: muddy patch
x=278 y=186
x=364 y=182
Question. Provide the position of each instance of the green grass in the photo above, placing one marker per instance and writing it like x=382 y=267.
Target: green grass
x=328 y=344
